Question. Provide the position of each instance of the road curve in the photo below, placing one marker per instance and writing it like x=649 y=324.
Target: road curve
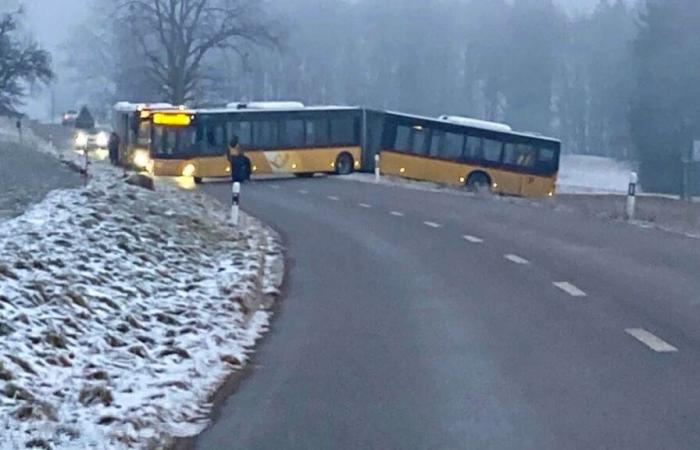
x=420 y=320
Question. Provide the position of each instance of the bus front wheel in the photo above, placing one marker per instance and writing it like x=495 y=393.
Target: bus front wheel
x=344 y=164
x=479 y=182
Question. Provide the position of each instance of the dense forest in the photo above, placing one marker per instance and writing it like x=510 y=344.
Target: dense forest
x=620 y=81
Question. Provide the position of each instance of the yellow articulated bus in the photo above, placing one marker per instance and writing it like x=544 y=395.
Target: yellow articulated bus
x=482 y=156
x=277 y=138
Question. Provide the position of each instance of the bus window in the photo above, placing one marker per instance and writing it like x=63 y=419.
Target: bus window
x=343 y=131
x=473 y=148
x=418 y=142
x=436 y=148
x=216 y=138
x=510 y=154
x=293 y=134
x=264 y=134
x=521 y=155
x=547 y=160
x=241 y=130
x=403 y=138
x=317 y=132
x=144 y=136
x=492 y=150
x=454 y=145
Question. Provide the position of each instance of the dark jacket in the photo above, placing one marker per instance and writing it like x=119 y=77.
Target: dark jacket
x=113 y=147
x=240 y=168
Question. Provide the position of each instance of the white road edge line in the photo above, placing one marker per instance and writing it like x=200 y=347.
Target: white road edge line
x=432 y=224
x=650 y=340
x=570 y=289
x=364 y=205
x=516 y=259
x=473 y=239
x=397 y=214
x=332 y=197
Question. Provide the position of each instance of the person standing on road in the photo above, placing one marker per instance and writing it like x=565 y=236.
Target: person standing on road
x=113 y=147
x=240 y=164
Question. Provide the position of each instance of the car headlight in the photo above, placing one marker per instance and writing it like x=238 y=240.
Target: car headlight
x=81 y=139
x=189 y=170
x=102 y=140
x=141 y=159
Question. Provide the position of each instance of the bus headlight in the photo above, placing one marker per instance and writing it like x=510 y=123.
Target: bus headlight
x=141 y=159
x=102 y=140
x=189 y=170
x=81 y=139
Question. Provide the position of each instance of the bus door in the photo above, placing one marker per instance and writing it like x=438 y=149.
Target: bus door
x=520 y=160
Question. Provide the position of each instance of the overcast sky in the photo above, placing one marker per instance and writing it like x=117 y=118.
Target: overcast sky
x=51 y=20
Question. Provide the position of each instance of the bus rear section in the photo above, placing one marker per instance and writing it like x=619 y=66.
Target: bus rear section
x=303 y=141
x=480 y=159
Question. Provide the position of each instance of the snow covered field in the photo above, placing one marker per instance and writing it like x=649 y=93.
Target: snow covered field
x=583 y=174
x=121 y=312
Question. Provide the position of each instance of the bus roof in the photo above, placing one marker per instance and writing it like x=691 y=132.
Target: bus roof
x=266 y=105
x=263 y=111
x=474 y=126
x=133 y=107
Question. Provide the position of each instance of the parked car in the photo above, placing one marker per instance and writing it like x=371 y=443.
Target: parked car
x=69 y=118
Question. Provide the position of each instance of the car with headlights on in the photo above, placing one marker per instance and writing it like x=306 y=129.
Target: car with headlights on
x=97 y=139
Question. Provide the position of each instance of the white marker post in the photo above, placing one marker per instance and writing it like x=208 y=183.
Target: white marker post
x=235 y=201
x=377 y=172
x=631 y=196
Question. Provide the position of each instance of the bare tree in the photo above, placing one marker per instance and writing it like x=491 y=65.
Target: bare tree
x=176 y=36
x=22 y=62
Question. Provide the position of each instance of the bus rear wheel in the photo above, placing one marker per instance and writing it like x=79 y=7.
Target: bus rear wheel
x=479 y=182
x=197 y=180
x=344 y=164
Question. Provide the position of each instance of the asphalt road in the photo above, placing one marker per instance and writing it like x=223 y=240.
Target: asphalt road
x=419 y=320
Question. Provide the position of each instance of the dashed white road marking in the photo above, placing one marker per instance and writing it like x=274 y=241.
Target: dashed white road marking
x=473 y=239
x=303 y=192
x=333 y=197
x=650 y=340
x=364 y=205
x=516 y=259
x=397 y=214
x=274 y=186
x=570 y=289
x=432 y=224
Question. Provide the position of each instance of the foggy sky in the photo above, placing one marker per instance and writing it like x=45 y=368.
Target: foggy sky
x=50 y=21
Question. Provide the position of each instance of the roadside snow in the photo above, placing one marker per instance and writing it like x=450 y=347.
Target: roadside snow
x=584 y=174
x=122 y=311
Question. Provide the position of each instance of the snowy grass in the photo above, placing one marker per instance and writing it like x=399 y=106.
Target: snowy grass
x=585 y=174
x=122 y=311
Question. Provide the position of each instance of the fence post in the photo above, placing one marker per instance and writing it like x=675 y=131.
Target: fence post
x=631 y=196
x=235 y=200
x=377 y=170
x=86 y=167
